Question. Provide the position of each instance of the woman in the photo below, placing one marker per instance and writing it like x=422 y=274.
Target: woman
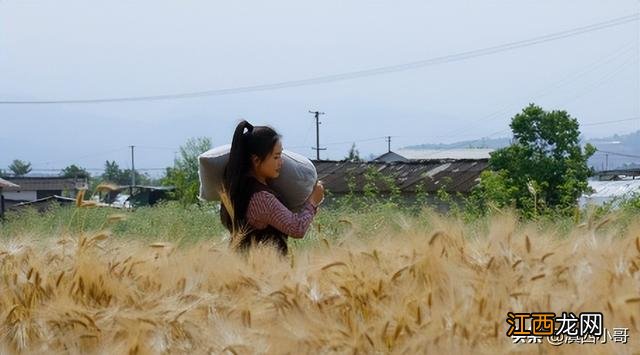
x=255 y=158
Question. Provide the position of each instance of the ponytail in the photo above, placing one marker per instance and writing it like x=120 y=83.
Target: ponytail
x=236 y=176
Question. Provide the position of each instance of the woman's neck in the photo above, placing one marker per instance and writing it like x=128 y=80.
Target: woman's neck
x=260 y=179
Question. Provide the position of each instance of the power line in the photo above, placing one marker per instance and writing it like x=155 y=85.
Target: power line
x=619 y=154
x=603 y=79
x=157 y=148
x=547 y=90
x=351 y=75
x=342 y=142
x=357 y=141
x=608 y=122
x=84 y=156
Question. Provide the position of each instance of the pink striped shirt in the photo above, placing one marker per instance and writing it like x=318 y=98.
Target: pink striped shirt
x=265 y=209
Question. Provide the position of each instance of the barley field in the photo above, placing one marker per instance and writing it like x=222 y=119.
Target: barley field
x=91 y=281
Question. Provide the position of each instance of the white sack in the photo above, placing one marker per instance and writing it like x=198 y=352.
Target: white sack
x=295 y=183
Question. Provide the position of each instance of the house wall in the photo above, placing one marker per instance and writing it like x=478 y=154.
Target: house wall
x=46 y=193
x=20 y=195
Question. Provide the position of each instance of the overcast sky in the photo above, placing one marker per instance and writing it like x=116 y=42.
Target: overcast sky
x=64 y=49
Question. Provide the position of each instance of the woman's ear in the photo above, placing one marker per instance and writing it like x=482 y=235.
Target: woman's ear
x=255 y=161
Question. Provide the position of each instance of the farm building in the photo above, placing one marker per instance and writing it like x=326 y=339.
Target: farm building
x=612 y=185
x=28 y=189
x=120 y=196
x=607 y=191
x=45 y=203
x=618 y=174
x=452 y=176
x=4 y=184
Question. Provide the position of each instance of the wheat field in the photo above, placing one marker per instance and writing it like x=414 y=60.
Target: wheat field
x=408 y=290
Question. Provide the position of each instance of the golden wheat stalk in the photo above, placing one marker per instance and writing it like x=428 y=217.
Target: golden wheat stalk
x=106 y=187
x=80 y=197
x=226 y=201
x=237 y=232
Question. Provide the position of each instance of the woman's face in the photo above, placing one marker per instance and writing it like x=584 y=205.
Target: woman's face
x=269 y=168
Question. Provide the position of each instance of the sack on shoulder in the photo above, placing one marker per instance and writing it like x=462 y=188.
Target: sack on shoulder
x=294 y=185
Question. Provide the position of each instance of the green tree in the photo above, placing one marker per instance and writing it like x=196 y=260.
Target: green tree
x=141 y=179
x=544 y=167
x=112 y=172
x=184 y=173
x=20 y=168
x=353 y=155
x=422 y=197
x=74 y=171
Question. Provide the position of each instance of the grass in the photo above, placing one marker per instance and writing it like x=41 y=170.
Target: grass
x=168 y=221
x=380 y=279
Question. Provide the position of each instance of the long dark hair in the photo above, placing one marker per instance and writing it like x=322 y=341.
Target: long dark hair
x=258 y=141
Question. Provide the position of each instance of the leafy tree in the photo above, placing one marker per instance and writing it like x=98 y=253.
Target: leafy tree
x=141 y=179
x=184 y=173
x=544 y=167
x=112 y=172
x=422 y=197
x=74 y=171
x=20 y=168
x=353 y=155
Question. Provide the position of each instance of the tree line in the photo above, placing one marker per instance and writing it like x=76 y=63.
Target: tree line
x=544 y=169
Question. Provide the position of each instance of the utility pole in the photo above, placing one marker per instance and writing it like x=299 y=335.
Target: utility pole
x=389 y=144
x=133 y=173
x=317 y=148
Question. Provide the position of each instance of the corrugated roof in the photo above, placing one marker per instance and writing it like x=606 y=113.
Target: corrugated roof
x=614 y=188
x=45 y=184
x=60 y=199
x=605 y=191
x=455 y=176
x=7 y=184
x=391 y=156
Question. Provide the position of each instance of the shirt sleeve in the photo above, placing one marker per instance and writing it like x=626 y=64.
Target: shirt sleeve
x=265 y=208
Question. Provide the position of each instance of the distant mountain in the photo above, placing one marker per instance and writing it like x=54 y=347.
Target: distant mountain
x=494 y=143
x=614 y=152
x=617 y=151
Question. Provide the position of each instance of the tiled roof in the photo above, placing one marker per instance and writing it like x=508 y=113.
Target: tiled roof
x=454 y=175
x=45 y=183
x=7 y=184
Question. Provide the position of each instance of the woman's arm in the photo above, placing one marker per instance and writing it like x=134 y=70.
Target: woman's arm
x=265 y=208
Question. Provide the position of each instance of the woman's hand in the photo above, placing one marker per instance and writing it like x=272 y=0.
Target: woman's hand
x=317 y=195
